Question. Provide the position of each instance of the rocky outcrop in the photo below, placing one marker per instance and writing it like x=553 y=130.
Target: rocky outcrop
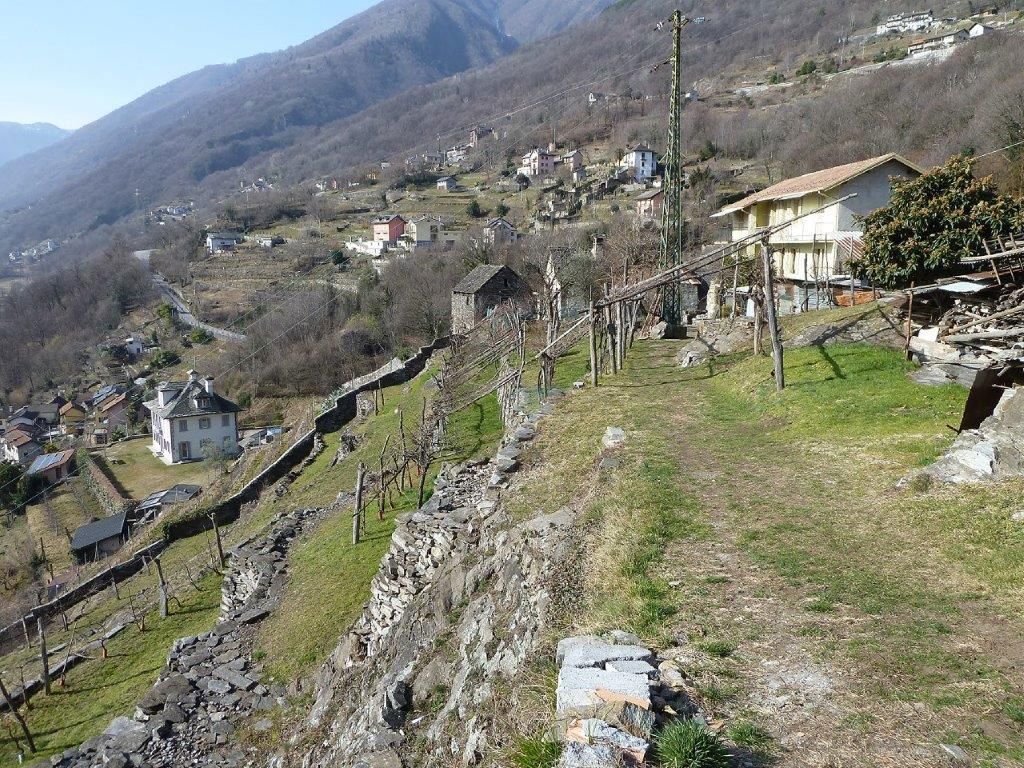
x=210 y=682
x=992 y=452
x=716 y=337
x=456 y=613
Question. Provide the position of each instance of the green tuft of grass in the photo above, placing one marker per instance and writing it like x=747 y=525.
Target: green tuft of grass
x=719 y=648
x=1014 y=709
x=536 y=752
x=689 y=744
x=750 y=736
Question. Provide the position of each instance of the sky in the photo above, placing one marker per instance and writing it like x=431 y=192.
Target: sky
x=69 y=62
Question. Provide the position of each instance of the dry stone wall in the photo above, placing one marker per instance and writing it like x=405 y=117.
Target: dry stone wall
x=210 y=682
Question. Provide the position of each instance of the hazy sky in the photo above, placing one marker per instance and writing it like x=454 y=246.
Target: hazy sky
x=69 y=62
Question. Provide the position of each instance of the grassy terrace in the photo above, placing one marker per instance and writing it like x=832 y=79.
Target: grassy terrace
x=312 y=619
x=141 y=473
x=759 y=538
x=97 y=691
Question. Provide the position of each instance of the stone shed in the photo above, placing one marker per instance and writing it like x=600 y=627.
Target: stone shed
x=484 y=289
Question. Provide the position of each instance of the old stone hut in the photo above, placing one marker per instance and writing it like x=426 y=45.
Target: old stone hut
x=482 y=290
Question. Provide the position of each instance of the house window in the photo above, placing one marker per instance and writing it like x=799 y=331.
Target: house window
x=204 y=423
x=183 y=426
x=225 y=420
x=184 y=451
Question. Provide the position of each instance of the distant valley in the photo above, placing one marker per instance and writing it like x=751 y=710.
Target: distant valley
x=18 y=139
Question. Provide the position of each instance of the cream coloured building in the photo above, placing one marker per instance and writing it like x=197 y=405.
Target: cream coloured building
x=814 y=249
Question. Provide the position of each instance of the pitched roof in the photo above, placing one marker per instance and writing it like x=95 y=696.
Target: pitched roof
x=17 y=439
x=95 y=532
x=651 y=194
x=188 y=401
x=70 y=406
x=49 y=461
x=387 y=219
x=817 y=181
x=110 y=402
x=496 y=223
x=479 y=277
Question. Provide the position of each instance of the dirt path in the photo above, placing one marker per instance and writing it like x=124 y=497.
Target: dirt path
x=766 y=645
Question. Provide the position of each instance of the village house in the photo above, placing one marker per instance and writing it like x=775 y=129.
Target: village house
x=500 y=232
x=269 y=241
x=649 y=204
x=219 y=242
x=902 y=23
x=20 y=446
x=478 y=134
x=812 y=250
x=447 y=184
x=387 y=229
x=539 y=162
x=134 y=347
x=478 y=294
x=574 y=160
x=456 y=155
x=114 y=411
x=100 y=538
x=937 y=42
x=190 y=421
x=641 y=163
x=72 y=417
x=53 y=467
x=979 y=29
x=153 y=505
x=429 y=232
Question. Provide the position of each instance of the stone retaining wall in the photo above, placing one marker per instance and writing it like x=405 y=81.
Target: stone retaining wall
x=210 y=682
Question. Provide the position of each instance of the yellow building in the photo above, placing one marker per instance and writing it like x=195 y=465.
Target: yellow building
x=813 y=250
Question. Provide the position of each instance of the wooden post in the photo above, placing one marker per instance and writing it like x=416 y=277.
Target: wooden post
x=773 y=321
x=360 y=474
x=610 y=328
x=17 y=716
x=593 y=345
x=910 y=324
x=43 y=655
x=216 y=533
x=113 y=583
x=162 y=586
x=24 y=629
x=735 y=285
x=755 y=295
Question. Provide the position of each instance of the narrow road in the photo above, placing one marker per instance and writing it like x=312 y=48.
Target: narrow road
x=182 y=308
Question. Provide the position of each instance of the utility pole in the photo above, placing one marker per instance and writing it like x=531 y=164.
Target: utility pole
x=672 y=207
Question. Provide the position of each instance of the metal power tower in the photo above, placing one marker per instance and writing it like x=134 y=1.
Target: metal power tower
x=672 y=206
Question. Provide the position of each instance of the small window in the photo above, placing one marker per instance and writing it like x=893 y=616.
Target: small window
x=183 y=425
x=225 y=420
x=204 y=423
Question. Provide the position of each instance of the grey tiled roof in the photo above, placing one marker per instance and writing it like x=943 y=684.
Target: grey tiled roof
x=93 y=533
x=185 y=403
x=478 y=278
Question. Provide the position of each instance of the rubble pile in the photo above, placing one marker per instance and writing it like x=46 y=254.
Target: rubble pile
x=611 y=693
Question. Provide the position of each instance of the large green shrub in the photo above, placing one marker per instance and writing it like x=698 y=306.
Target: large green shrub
x=931 y=223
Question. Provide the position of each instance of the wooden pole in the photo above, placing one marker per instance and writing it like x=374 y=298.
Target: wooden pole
x=593 y=345
x=360 y=474
x=755 y=295
x=162 y=586
x=910 y=323
x=17 y=716
x=43 y=655
x=220 y=544
x=773 y=321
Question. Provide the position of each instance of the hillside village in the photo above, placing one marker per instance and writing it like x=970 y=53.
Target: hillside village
x=549 y=445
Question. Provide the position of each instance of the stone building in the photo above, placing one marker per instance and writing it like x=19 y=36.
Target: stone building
x=484 y=289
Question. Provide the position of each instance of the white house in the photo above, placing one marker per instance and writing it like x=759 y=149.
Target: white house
x=498 y=231
x=979 y=29
x=447 y=184
x=901 y=23
x=134 y=347
x=539 y=162
x=937 y=42
x=641 y=162
x=218 y=242
x=813 y=249
x=190 y=421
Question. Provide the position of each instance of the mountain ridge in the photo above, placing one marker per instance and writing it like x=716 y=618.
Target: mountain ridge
x=19 y=139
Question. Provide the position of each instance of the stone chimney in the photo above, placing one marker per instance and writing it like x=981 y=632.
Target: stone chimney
x=208 y=385
x=193 y=376
x=164 y=392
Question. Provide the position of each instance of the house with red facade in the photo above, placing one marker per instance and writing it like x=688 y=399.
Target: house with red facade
x=387 y=229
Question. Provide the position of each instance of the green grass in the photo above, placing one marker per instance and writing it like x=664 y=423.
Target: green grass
x=689 y=744
x=98 y=691
x=720 y=649
x=306 y=628
x=536 y=752
x=141 y=473
x=744 y=733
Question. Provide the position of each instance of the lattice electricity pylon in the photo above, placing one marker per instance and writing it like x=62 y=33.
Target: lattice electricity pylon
x=672 y=206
